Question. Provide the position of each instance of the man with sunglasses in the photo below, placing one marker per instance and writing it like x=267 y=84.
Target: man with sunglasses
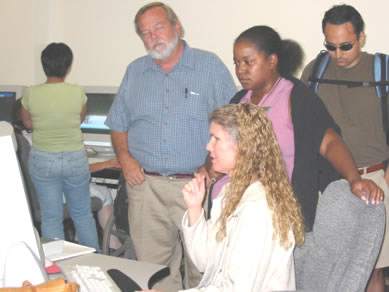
x=356 y=110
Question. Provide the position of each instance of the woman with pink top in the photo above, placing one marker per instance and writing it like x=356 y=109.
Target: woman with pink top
x=264 y=64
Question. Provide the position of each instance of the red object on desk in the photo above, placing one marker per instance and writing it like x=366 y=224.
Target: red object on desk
x=53 y=269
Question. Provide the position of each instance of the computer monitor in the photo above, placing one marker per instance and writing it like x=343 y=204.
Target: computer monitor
x=16 y=223
x=8 y=96
x=96 y=134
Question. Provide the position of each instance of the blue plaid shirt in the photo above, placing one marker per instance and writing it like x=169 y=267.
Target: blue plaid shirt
x=166 y=114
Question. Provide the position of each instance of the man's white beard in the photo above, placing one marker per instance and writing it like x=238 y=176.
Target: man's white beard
x=159 y=55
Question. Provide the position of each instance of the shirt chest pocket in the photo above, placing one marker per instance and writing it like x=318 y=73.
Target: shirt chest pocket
x=194 y=106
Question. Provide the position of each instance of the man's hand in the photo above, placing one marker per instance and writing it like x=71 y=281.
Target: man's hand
x=210 y=176
x=132 y=171
x=203 y=171
x=367 y=190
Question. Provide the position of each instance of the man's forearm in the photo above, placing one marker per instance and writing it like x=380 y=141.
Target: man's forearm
x=336 y=152
x=120 y=145
x=132 y=170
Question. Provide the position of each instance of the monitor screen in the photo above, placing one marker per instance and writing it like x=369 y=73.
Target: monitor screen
x=97 y=138
x=98 y=106
x=7 y=106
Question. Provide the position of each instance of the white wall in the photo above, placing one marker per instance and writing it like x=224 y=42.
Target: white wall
x=102 y=37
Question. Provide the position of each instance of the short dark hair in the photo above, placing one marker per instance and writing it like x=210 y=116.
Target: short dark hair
x=340 y=14
x=56 y=59
x=266 y=39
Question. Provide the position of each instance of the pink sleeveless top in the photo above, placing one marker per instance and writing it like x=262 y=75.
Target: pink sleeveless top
x=276 y=105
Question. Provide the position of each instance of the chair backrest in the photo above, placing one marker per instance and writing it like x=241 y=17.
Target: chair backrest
x=341 y=251
x=121 y=205
x=23 y=153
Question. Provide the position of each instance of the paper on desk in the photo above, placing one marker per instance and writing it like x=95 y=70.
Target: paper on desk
x=52 y=246
x=71 y=249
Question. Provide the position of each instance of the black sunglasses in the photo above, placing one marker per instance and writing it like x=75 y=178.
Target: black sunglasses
x=344 y=47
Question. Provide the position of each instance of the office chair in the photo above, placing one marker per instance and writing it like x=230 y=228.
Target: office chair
x=23 y=154
x=341 y=251
x=118 y=226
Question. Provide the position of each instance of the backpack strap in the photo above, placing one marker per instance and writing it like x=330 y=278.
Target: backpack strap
x=318 y=69
x=381 y=73
x=351 y=84
x=322 y=61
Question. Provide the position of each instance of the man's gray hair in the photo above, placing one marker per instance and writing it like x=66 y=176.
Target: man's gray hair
x=172 y=16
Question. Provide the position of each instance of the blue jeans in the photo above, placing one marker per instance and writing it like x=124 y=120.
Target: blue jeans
x=58 y=173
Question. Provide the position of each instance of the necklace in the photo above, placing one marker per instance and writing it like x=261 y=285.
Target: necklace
x=267 y=95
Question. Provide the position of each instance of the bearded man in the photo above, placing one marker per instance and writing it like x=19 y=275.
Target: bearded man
x=159 y=127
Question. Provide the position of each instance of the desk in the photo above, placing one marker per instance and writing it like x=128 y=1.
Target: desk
x=145 y=274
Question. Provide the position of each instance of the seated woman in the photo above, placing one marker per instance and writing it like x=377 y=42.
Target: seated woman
x=247 y=245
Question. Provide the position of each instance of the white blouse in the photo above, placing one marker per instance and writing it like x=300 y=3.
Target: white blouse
x=248 y=258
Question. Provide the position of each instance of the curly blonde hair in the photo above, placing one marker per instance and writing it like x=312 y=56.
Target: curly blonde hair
x=258 y=157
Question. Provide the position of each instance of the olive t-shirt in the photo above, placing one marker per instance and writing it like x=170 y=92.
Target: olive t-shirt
x=356 y=110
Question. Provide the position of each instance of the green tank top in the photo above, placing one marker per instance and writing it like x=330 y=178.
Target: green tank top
x=55 y=110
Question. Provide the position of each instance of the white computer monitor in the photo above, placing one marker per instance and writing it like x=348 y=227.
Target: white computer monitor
x=96 y=134
x=16 y=224
x=8 y=96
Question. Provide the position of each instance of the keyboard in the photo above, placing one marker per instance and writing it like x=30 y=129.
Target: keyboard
x=90 y=279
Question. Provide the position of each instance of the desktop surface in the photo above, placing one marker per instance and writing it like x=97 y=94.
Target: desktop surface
x=144 y=274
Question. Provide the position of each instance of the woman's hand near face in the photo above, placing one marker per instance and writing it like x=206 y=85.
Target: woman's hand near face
x=194 y=192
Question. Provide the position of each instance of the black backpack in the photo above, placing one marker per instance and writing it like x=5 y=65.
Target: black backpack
x=381 y=81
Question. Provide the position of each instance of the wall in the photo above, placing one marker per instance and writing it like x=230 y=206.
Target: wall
x=102 y=37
